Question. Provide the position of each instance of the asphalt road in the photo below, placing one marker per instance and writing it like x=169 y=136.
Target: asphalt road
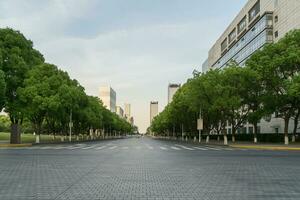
x=147 y=169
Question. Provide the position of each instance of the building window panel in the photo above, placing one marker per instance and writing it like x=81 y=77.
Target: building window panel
x=224 y=45
x=254 y=11
x=242 y=25
x=232 y=36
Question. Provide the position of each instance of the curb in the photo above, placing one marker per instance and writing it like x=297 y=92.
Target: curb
x=266 y=147
x=16 y=145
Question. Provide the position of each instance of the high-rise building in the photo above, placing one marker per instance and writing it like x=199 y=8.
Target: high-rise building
x=127 y=110
x=153 y=110
x=108 y=97
x=172 y=88
x=120 y=111
x=258 y=23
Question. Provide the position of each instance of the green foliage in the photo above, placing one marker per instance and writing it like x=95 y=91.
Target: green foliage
x=42 y=97
x=269 y=83
x=2 y=89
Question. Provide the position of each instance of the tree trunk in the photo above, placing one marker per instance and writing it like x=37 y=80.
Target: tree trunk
x=233 y=134
x=225 y=139
x=255 y=132
x=15 y=135
x=295 y=126
x=286 y=130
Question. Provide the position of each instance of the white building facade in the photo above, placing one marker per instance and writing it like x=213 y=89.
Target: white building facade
x=153 y=110
x=108 y=97
x=258 y=23
x=172 y=88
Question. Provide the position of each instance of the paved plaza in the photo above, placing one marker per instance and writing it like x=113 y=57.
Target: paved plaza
x=144 y=168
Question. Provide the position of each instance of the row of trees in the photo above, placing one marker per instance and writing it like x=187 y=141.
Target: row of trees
x=41 y=93
x=269 y=83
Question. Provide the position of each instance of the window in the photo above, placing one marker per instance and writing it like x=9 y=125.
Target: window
x=276 y=34
x=242 y=25
x=254 y=11
x=232 y=36
x=229 y=131
x=224 y=45
x=258 y=129
x=276 y=19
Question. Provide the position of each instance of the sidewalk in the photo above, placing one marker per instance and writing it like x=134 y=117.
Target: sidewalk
x=244 y=145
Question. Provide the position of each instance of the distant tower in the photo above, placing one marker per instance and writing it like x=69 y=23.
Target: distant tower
x=172 y=90
x=108 y=97
x=120 y=111
x=153 y=110
x=127 y=110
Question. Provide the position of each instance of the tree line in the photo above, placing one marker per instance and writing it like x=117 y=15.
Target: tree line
x=268 y=83
x=44 y=95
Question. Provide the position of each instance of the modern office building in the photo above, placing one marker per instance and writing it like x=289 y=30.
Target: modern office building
x=172 y=88
x=153 y=110
x=120 y=111
x=127 y=110
x=258 y=23
x=108 y=97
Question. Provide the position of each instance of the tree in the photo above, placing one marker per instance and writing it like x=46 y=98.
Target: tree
x=277 y=64
x=2 y=90
x=17 y=57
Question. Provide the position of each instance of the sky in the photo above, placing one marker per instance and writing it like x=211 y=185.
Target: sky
x=137 y=47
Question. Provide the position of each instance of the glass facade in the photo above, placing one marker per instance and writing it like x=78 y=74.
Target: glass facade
x=260 y=34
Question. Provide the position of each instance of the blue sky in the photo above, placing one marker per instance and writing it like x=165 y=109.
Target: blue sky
x=136 y=46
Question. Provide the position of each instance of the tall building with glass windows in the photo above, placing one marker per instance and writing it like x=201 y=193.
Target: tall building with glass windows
x=172 y=88
x=108 y=97
x=153 y=110
x=258 y=23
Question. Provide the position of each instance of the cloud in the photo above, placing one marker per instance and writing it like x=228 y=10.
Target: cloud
x=137 y=47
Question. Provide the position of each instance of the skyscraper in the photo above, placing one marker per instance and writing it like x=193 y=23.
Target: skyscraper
x=172 y=88
x=120 y=111
x=108 y=97
x=127 y=110
x=153 y=110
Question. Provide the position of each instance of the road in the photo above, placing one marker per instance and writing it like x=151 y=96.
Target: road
x=144 y=168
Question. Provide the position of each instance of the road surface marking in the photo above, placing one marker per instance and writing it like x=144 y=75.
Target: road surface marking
x=149 y=147
x=102 y=147
x=203 y=149
x=124 y=147
x=176 y=148
x=89 y=147
x=113 y=147
x=163 y=148
x=184 y=147
x=212 y=148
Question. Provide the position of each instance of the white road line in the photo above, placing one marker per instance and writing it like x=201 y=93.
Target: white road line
x=73 y=147
x=203 y=149
x=124 y=147
x=113 y=147
x=184 y=147
x=211 y=148
x=149 y=147
x=175 y=148
x=89 y=147
x=163 y=148
x=102 y=147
